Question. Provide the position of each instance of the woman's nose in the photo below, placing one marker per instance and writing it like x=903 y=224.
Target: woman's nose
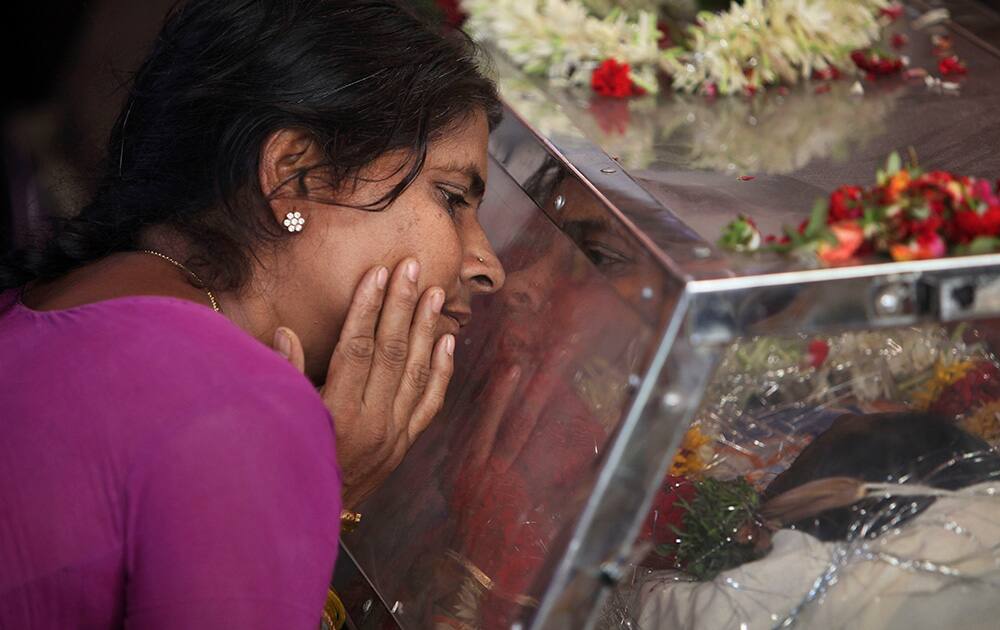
x=482 y=270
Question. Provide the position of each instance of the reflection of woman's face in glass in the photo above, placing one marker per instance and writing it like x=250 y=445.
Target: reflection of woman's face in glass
x=613 y=251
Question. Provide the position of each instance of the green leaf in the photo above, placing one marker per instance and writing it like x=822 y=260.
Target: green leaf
x=894 y=164
x=980 y=245
x=817 y=219
x=793 y=236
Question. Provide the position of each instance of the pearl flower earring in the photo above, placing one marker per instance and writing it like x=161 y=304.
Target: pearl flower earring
x=294 y=221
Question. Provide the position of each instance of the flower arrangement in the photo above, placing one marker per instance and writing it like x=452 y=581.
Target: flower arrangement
x=765 y=42
x=979 y=383
x=907 y=215
x=563 y=41
x=746 y=47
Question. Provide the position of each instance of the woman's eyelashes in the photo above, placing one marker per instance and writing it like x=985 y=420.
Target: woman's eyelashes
x=453 y=200
x=604 y=256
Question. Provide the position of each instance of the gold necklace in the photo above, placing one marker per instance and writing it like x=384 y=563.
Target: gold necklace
x=203 y=286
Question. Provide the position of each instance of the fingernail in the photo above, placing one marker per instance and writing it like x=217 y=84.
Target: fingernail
x=412 y=270
x=283 y=343
x=437 y=300
x=381 y=277
x=449 y=344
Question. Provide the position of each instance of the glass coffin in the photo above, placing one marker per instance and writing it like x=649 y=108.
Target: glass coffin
x=645 y=431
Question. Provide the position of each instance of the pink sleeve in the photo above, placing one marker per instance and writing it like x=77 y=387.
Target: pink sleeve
x=233 y=515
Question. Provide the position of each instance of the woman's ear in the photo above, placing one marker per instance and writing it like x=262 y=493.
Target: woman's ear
x=289 y=162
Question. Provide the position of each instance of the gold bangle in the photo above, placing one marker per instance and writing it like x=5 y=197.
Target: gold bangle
x=334 y=613
x=349 y=521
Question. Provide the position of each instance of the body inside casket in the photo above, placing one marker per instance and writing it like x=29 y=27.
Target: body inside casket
x=628 y=410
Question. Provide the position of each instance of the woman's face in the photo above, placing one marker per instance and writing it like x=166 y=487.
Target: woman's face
x=433 y=221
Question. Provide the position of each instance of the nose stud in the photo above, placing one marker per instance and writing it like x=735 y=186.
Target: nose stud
x=480 y=259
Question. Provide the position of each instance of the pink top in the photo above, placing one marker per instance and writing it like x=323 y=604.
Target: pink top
x=159 y=468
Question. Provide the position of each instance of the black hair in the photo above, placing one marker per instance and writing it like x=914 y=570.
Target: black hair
x=886 y=447
x=362 y=77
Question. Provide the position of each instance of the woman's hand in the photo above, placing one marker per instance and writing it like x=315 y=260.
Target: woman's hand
x=387 y=377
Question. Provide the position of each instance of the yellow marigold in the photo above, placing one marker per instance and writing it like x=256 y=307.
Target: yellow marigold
x=694 y=454
x=945 y=374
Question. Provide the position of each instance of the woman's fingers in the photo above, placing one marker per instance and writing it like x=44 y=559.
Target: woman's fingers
x=353 y=355
x=442 y=366
x=288 y=345
x=392 y=337
x=416 y=375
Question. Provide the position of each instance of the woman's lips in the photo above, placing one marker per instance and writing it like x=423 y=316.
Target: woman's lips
x=460 y=317
x=451 y=324
x=452 y=321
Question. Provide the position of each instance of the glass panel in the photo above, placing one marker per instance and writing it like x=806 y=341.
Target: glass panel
x=464 y=532
x=772 y=155
x=785 y=506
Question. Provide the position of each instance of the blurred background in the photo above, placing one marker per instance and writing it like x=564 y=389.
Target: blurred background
x=67 y=64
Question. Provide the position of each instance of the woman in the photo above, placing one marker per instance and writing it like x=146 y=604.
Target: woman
x=311 y=171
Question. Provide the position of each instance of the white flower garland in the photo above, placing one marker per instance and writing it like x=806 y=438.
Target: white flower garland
x=560 y=39
x=778 y=40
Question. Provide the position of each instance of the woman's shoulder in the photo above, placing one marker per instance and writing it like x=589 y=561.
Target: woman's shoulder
x=162 y=352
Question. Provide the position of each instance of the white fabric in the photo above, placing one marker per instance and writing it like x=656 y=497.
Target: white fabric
x=960 y=532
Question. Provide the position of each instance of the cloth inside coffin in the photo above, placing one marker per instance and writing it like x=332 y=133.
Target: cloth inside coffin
x=908 y=561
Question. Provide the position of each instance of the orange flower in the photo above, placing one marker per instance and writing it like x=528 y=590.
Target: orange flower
x=897 y=186
x=850 y=237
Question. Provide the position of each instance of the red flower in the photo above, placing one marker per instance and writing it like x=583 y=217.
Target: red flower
x=893 y=12
x=849 y=237
x=938 y=188
x=899 y=40
x=876 y=64
x=981 y=191
x=952 y=65
x=612 y=79
x=826 y=74
x=940 y=178
x=845 y=203
x=980 y=385
x=968 y=224
x=818 y=351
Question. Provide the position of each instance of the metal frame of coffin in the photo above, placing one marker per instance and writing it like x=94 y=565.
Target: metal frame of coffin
x=695 y=299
